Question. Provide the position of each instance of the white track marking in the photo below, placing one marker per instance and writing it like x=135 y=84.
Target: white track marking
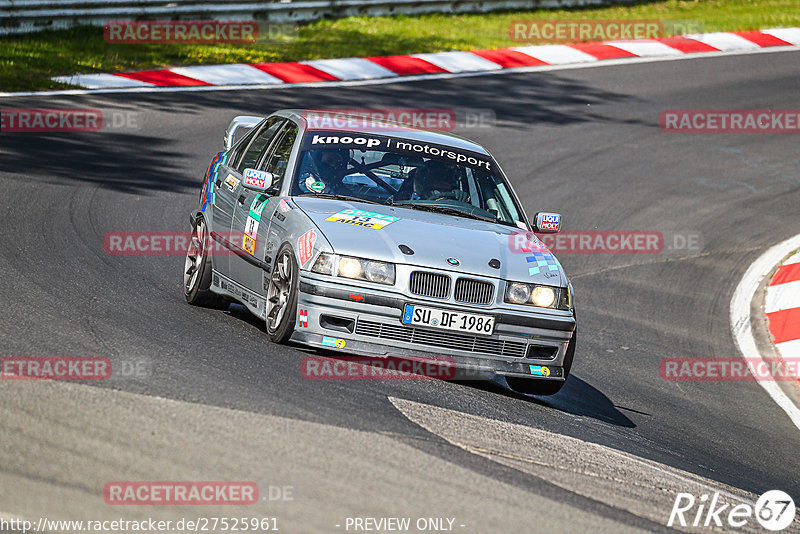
x=354 y=68
x=238 y=73
x=459 y=61
x=646 y=48
x=101 y=81
x=740 y=317
x=789 y=349
x=724 y=41
x=790 y=35
x=405 y=79
x=782 y=297
x=557 y=54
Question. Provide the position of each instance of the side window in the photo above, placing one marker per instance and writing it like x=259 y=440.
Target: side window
x=278 y=157
x=259 y=143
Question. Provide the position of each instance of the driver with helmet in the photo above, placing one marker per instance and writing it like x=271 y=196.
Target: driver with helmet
x=440 y=181
x=324 y=166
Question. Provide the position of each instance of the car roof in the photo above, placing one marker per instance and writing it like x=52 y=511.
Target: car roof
x=383 y=127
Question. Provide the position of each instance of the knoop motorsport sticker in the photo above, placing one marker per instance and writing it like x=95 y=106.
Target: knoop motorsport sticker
x=367 y=219
x=409 y=147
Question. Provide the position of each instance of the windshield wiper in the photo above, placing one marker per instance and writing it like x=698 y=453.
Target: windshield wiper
x=341 y=197
x=445 y=209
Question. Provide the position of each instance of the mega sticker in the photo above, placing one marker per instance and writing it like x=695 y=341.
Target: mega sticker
x=367 y=219
x=255 y=178
x=305 y=246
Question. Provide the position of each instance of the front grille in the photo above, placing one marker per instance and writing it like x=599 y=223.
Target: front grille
x=432 y=285
x=473 y=291
x=465 y=342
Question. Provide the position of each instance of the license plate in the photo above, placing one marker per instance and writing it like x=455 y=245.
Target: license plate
x=448 y=320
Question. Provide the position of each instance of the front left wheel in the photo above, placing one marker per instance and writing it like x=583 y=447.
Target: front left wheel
x=282 y=295
x=197 y=270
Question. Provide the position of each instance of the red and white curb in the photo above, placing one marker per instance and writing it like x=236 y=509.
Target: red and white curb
x=782 y=307
x=387 y=67
x=779 y=303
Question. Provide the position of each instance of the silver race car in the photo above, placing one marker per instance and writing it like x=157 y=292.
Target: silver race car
x=385 y=241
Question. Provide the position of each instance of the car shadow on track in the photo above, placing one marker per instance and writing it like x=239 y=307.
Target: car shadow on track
x=578 y=397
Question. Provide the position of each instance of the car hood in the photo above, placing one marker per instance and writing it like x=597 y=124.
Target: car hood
x=434 y=238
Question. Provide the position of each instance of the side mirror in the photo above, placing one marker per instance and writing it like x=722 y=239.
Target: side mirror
x=257 y=180
x=242 y=121
x=547 y=223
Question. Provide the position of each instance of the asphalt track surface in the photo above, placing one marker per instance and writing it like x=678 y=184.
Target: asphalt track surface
x=220 y=402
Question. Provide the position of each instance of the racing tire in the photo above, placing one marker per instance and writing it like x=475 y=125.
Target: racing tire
x=282 y=295
x=535 y=386
x=197 y=270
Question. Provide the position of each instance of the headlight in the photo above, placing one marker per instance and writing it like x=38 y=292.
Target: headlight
x=379 y=272
x=350 y=267
x=542 y=296
x=536 y=295
x=324 y=264
x=518 y=293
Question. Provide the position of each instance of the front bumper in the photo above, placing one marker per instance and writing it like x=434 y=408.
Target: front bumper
x=354 y=319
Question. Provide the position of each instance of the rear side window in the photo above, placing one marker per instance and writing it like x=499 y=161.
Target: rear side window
x=259 y=143
x=278 y=157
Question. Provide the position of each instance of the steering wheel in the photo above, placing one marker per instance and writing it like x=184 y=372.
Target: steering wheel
x=459 y=196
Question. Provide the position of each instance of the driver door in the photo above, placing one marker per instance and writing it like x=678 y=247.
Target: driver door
x=254 y=214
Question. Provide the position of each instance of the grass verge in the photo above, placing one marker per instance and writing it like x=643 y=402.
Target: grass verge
x=27 y=62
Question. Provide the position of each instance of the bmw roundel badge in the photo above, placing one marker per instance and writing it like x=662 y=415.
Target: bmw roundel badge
x=453 y=261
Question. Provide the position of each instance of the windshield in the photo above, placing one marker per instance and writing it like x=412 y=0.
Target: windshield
x=417 y=175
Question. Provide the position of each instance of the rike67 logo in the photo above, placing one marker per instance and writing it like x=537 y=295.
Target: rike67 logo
x=774 y=510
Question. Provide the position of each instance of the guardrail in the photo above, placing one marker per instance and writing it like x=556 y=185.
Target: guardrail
x=25 y=16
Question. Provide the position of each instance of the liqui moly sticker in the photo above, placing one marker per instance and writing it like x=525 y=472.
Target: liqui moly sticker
x=305 y=246
x=254 y=178
x=549 y=221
